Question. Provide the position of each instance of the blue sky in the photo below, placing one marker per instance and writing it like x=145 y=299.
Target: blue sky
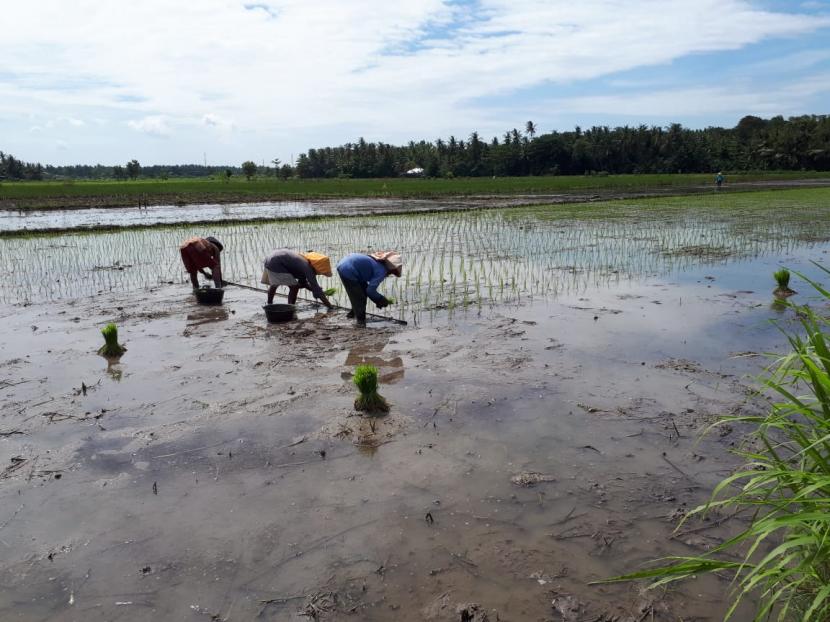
x=170 y=82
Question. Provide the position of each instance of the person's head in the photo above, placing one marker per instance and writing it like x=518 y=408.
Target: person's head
x=391 y=260
x=215 y=242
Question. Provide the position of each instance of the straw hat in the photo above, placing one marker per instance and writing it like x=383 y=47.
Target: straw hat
x=391 y=259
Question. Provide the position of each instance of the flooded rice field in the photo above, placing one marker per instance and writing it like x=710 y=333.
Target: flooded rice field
x=547 y=400
x=107 y=217
x=453 y=260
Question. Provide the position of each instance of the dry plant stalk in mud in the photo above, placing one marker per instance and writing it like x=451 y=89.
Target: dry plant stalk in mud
x=369 y=400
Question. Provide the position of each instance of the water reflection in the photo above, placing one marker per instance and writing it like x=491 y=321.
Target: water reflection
x=390 y=368
x=779 y=305
x=204 y=315
x=114 y=370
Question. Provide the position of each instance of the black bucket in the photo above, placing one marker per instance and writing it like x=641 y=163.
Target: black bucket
x=209 y=295
x=279 y=312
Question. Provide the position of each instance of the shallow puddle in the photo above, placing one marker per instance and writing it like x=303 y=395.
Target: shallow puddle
x=87 y=218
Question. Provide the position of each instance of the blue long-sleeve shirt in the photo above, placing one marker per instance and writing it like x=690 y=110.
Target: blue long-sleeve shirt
x=364 y=270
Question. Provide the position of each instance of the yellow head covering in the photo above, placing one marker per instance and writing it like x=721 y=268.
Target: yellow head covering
x=318 y=261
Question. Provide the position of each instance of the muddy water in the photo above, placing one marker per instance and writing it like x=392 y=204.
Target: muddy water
x=219 y=472
x=87 y=218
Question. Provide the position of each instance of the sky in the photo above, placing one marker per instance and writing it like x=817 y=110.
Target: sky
x=223 y=81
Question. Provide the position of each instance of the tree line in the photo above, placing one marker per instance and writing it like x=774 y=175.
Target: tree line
x=797 y=143
x=754 y=144
x=13 y=169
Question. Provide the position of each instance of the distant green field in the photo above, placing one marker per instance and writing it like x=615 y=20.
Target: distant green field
x=190 y=190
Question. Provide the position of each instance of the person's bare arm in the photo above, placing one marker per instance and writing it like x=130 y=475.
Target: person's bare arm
x=217 y=274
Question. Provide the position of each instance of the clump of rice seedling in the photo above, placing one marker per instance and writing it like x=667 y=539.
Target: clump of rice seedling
x=331 y=291
x=366 y=381
x=111 y=346
x=782 y=279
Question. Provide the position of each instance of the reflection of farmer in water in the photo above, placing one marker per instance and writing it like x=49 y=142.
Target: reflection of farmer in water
x=361 y=276
x=719 y=178
x=390 y=368
x=200 y=253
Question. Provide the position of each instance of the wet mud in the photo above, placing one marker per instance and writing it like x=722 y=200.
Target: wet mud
x=218 y=470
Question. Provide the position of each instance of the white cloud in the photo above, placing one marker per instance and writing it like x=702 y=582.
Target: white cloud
x=72 y=121
x=298 y=68
x=731 y=99
x=215 y=121
x=154 y=126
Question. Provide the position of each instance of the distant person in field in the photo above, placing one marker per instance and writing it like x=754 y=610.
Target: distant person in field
x=361 y=276
x=296 y=270
x=719 y=179
x=200 y=253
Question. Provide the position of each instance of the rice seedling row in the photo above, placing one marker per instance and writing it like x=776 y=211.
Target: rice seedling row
x=453 y=260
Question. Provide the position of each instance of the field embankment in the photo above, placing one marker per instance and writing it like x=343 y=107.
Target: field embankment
x=108 y=193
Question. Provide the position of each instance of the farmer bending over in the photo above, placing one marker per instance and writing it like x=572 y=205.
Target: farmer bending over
x=200 y=253
x=296 y=270
x=361 y=275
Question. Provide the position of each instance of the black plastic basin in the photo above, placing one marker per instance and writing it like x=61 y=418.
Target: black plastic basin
x=209 y=295
x=279 y=312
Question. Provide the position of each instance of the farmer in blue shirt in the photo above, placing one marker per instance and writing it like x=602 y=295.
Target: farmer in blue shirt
x=361 y=275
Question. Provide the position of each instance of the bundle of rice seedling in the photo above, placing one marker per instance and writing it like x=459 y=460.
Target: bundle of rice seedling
x=331 y=291
x=111 y=346
x=366 y=381
x=782 y=279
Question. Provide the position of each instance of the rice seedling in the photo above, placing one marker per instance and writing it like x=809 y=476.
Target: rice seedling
x=782 y=279
x=782 y=558
x=454 y=259
x=111 y=347
x=331 y=291
x=369 y=400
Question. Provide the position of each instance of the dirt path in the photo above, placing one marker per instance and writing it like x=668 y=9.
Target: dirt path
x=219 y=472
